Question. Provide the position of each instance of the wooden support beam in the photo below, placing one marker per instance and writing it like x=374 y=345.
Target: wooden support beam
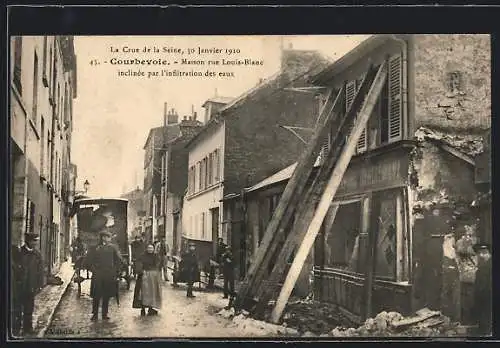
x=290 y=198
x=329 y=192
x=309 y=200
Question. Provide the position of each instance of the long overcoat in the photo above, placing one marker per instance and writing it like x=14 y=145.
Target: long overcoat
x=105 y=265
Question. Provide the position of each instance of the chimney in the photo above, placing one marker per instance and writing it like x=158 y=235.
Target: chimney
x=173 y=118
x=194 y=116
x=165 y=114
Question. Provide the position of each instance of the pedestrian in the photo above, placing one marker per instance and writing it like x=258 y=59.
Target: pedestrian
x=29 y=269
x=190 y=264
x=228 y=273
x=162 y=250
x=105 y=264
x=137 y=248
x=147 y=292
x=221 y=248
x=482 y=290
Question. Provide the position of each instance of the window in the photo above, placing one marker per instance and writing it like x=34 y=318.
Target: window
x=50 y=70
x=203 y=227
x=58 y=101
x=217 y=166
x=202 y=174
x=210 y=172
x=45 y=62
x=395 y=98
x=42 y=149
x=162 y=202
x=18 y=49
x=48 y=157
x=385 y=209
x=30 y=217
x=198 y=175
x=352 y=87
x=34 y=109
x=342 y=232
x=65 y=104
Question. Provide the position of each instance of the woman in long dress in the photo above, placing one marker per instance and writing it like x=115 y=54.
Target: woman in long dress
x=147 y=292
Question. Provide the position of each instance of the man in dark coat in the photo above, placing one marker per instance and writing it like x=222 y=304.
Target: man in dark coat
x=190 y=263
x=228 y=272
x=138 y=246
x=29 y=280
x=483 y=291
x=162 y=250
x=105 y=263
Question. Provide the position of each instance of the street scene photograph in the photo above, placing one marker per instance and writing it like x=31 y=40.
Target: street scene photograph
x=280 y=187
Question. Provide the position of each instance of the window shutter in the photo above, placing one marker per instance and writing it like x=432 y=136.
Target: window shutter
x=363 y=141
x=395 y=105
x=350 y=93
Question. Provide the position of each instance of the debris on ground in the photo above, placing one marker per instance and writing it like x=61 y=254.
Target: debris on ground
x=425 y=323
x=253 y=327
x=313 y=316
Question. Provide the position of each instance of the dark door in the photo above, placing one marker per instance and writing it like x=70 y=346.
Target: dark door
x=215 y=228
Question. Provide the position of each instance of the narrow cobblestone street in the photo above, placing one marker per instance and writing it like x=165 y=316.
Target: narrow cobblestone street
x=179 y=317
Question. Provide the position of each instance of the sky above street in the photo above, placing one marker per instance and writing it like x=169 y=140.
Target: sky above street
x=113 y=114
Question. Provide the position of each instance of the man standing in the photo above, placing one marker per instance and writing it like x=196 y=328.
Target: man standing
x=106 y=263
x=191 y=268
x=228 y=272
x=30 y=281
x=162 y=252
x=137 y=249
x=483 y=291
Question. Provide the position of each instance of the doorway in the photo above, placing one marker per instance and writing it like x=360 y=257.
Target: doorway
x=215 y=228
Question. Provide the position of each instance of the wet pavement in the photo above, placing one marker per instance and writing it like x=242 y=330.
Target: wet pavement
x=179 y=316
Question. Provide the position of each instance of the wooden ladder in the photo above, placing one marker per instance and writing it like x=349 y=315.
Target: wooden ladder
x=309 y=202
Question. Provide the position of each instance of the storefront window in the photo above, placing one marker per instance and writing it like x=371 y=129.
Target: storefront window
x=384 y=212
x=342 y=238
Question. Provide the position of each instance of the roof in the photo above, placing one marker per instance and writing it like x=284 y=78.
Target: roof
x=218 y=99
x=171 y=132
x=280 y=176
x=363 y=48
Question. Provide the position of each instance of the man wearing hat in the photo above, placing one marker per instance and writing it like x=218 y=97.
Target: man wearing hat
x=105 y=265
x=191 y=267
x=483 y=291
x=30 y=280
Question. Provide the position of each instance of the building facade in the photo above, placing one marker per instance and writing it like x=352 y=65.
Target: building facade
x=244 y=142
x=174 y=179
x=135 y=212
x=43 y=86
x=402 y=184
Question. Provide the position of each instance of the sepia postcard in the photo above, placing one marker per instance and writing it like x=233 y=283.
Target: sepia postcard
x=281 y=187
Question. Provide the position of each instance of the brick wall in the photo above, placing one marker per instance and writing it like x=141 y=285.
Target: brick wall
x=466 y=106
x=256 y=147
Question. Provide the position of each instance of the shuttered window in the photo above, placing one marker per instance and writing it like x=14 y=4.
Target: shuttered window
x=363 y=141
x=350 y=93
x=352 y=88
x=395 y=98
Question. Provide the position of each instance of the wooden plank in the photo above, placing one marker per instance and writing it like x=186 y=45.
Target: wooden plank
x=329 y=193
x=312 y=196
x=290 y=198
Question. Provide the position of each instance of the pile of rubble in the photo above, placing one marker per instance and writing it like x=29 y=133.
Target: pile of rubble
x=255 y=328
x=425 y=323
x=312 y=317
